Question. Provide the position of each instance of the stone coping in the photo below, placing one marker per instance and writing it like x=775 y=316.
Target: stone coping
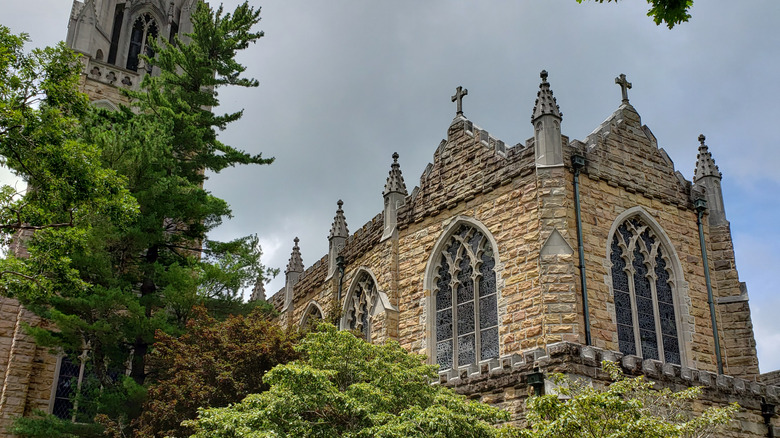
x=561 y=353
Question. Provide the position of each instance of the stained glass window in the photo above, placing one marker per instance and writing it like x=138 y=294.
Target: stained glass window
x=466 y=300
x=642 y=290
x=144 y=28
x=360 y=303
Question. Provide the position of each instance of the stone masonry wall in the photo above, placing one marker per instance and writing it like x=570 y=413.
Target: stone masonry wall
x=625 y=169
x=474 y=178
x=738 y=343
x=27 y=371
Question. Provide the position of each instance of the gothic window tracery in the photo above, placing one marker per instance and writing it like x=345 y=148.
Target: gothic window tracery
x=144 y=28
x=466 y=300
x=359 y=305
x=643 y=292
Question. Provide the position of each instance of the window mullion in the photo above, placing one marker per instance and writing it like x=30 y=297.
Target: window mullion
x=632 y=294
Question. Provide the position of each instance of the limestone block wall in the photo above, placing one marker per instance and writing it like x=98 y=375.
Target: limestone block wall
x=474 y=178
x=738 y=343
x=625 y=169
x=27 y=371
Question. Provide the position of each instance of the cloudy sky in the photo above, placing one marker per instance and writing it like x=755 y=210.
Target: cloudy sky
x=345 y=83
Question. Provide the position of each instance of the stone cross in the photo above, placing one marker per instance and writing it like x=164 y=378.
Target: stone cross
x=460 y=92
x=624 y=86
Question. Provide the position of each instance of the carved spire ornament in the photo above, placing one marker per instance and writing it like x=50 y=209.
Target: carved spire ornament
x=545 y=102
x=395 y=181
x=705 y=164
x=339 y=227
x=295 y=264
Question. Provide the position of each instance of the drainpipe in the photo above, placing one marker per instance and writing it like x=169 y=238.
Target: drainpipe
x=700 y=205
x=578 y=162
x=768 y=411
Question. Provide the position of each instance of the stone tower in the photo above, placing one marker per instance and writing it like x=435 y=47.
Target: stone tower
x=112 y=34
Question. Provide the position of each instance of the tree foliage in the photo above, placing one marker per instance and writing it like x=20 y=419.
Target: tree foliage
x=669 y=12
x=627 y=408
x=117 y=215
x=213 y=364
x=346 y=387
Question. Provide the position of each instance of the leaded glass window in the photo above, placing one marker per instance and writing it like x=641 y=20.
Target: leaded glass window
x=466 y=300
x=312 y=316
x=144 y=28
x=360 y=303
x=643 y=293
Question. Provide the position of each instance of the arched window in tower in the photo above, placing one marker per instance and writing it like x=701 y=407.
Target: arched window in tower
x=359 y=305
x=144 y=29
x=643 y=291
x=466 y=300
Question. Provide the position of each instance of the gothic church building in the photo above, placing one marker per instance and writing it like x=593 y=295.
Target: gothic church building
x=548 y=256
x=504 y=263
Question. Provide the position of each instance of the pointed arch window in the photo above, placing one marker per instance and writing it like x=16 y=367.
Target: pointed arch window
x=359 y=305
x=644 y=294
x=466 y=300
x=144 y=29
x=312 y=315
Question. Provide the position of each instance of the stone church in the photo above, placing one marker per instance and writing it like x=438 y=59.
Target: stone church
x=506 y=263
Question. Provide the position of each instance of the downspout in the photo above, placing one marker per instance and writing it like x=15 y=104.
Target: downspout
x=700 y=205
x=578 y=162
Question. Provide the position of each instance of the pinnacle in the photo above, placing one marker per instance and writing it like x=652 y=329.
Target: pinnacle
x=395 y=181
x=705 y=164
x=296 y=262
x=545 y=102
x=258 y=293
x=339 y=227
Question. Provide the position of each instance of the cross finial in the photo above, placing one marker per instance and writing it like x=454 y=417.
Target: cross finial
x=460 y=92
x=624 y=86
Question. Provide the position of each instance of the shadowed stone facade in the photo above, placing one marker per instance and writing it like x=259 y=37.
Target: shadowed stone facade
x=647 y=293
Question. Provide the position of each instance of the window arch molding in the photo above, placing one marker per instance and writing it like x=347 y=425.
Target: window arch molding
x=358 y=311
x=679 y=286
x=450 y=228
x=312 y=309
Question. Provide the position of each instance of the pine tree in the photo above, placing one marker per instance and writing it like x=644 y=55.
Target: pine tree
x=131 y=265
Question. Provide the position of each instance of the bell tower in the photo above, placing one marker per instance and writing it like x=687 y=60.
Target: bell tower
x=113 y=34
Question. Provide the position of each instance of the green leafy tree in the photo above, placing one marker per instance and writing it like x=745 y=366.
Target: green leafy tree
x=117 y=215
x=68 y=187
x=669 y=12
x=627 y=408
x=215 y=363
x=346 y=387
